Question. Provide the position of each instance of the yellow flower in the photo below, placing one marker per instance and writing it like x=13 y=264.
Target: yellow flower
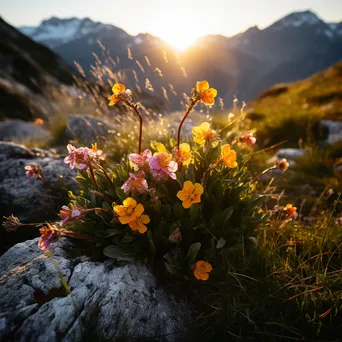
x=131 y=213
x=159 y=147
x=184 y=154
x=290 y=210
x=117 y=90
x=202 y=269
x=203 y=134
x=228 y=156
x=190 y=194
x=205 y=94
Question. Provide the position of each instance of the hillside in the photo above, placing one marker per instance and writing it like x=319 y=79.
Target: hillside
x=293 y=111
x=27 y=70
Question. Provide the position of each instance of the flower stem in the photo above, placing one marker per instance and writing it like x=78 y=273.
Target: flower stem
x=93 y=177
x=106 y=175
x=192 y=105
x=263 y=172
x=135 y=108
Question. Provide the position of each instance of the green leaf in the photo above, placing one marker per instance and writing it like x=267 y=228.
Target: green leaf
x=151 y=243
x=180 y=179
x=120 y=193
x=179 y=210
x=174 y=270
x=108 y=233
x=193 y=211
x=190 y=173
x=120 y=253
x=193 y=251
x=71 y=195
x=166 y=211
x=227 y=213
x=220 y=243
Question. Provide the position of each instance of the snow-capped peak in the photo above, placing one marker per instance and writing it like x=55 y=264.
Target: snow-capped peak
x=54 y=31
x=297 y=19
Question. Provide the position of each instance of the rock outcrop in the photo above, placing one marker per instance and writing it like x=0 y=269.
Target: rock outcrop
x=107 y=302
x=31 y=199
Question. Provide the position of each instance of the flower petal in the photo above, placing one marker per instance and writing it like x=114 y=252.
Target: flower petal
x=118 y=88
x=202 y=86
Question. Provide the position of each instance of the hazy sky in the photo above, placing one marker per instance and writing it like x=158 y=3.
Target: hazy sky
x=169 y=19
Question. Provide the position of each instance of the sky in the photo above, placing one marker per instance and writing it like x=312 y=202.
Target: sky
x=176 y=21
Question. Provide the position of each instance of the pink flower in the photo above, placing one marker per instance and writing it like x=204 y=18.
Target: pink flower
x=49 y=234
x=33 y=171
x=135 y=182
x=140 y=161
x=67 y=214
x=78 y=157
x=162 y=166
x=248 y=138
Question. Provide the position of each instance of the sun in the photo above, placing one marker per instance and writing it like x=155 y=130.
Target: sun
x=179 y=30
x=179 y=41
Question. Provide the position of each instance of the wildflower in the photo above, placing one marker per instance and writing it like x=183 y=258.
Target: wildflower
x=205 y=94
x=136 y=182
x=204 y=135
x=175 y=236
x=38 y=122
x=78 y=157
x=162 y=166
x=33 y=171
x=159 y=147
x=190 y=194
x=49 y=234
x=202 y=270
x=291 y=211
x=11 y=223
x=67 y=214
x=119 y=93
x=184 y=154
x=126 y=209
x=248 y=138
x=140 y=161
x=283 y=165
x=228 y=156
x=131 y=213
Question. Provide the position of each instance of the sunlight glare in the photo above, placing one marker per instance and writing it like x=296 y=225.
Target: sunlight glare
x=179 y=30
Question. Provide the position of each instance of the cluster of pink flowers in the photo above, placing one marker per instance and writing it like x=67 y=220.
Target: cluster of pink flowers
x=161 y=166
x=82 y=157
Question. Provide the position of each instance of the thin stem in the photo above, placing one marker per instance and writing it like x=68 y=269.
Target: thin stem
x=135 y=108
x=93 y=176
x=263 y=172
x=192 y=105
x=106 y=175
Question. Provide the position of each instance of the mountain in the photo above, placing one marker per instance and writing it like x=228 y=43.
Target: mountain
x=27 y=70
x=290 y=49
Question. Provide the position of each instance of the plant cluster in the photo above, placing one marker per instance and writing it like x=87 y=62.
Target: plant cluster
x=181 y=204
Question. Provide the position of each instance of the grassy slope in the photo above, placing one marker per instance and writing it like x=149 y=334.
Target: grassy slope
x=293 y=111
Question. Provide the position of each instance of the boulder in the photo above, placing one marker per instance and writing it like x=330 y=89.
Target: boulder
x=290 y=154
x=18 y=130
x=107 y=301
x=334 y=130
x=87 y=129
x=28 y=198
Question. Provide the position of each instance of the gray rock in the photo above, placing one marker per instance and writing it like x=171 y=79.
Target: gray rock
x=106 y=302
x=32 y=199
x=18 y=130
x=87 y=129
x=334 y=130
x=290 y=154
